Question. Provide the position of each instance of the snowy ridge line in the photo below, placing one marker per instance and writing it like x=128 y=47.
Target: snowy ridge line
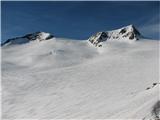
x=39 y=36
x=127 y=33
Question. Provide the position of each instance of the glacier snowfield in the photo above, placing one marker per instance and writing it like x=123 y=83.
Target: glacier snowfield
x=72 y=79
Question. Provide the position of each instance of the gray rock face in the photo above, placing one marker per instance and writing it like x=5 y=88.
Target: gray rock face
x=125 y=33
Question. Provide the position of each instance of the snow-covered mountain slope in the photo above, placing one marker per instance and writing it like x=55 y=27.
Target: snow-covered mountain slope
x=61 y=78
x=37 y=36
x=128 y=33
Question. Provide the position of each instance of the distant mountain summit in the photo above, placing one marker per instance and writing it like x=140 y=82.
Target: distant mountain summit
x=123 y=34
x=127 y=33
x=39 y=36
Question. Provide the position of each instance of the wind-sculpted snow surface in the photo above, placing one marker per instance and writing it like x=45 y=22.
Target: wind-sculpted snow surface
x=65 y=79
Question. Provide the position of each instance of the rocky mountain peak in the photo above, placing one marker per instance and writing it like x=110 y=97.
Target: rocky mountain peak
x=125 y=33
x=39 y=36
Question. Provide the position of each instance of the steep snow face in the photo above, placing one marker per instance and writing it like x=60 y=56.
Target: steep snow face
x=70 y=79
x=128 y=33
x=38 y=36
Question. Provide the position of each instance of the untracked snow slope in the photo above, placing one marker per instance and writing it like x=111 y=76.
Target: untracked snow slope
x=62 y=78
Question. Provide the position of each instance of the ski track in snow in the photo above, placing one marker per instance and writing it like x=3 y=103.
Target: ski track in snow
x=73 y=79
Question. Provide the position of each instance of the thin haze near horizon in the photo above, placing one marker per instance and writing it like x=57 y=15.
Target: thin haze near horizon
x=78 y=20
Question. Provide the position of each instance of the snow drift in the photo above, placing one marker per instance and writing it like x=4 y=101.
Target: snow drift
x=59 y=78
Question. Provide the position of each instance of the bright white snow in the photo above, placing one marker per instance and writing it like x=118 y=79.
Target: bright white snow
x=62 y=78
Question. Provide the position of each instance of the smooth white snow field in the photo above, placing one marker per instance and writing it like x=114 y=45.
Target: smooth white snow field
x=72 y=79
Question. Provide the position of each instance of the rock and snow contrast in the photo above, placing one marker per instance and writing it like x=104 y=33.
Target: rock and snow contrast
x=44 y=77
x=128 y=33
x=39 y=36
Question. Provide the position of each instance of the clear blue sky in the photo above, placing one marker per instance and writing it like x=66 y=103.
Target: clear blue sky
x=78 y=20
